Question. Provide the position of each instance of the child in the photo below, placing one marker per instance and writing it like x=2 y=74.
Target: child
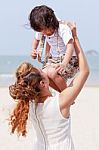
x=59 y=37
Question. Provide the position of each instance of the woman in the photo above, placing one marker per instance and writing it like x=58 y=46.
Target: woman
x=50 y=114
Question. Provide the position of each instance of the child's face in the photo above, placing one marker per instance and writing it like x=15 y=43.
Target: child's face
x=48 y=31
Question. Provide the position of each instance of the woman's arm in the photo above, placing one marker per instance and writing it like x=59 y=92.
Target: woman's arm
x=68 y=95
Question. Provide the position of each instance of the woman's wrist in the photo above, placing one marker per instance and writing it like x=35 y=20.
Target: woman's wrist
x=63 y=65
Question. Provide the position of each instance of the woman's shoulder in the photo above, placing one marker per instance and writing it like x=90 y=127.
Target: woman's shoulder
x=53 y=104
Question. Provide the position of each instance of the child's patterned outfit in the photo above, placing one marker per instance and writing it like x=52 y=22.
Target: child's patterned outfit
x=58 y=42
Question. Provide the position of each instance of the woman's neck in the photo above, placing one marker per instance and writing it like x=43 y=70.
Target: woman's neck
x=43 y=98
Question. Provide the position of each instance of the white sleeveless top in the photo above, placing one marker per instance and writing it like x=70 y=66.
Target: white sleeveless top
x=52 y=129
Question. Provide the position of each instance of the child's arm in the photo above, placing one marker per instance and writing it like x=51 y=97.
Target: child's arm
x=68 y=55
x=66 y=35
x=69 y=52
x=34 y=48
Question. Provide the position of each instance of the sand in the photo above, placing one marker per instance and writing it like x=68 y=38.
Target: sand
x=84 y=125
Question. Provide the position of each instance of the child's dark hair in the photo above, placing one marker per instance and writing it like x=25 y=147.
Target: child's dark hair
x=42 y=17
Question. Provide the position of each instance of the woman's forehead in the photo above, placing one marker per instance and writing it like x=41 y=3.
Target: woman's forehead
x=41 y=72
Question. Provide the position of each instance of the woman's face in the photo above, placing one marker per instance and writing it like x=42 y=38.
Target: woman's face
x=44 y=76
x=48 y=31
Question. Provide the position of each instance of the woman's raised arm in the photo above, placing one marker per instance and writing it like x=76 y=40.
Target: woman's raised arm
x=68 y=95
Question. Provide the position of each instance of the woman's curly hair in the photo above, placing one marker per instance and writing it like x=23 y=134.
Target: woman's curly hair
x=42 y=17
x=25 y=89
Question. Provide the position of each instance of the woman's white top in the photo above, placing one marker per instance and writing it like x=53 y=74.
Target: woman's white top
x=52 y=129
x=58 y=40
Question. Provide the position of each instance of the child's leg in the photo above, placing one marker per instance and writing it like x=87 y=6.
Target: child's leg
x=56 y=81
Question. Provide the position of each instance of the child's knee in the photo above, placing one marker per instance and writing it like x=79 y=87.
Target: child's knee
x=52 y=73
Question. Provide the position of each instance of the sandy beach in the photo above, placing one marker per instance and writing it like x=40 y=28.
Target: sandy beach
x=85 y=122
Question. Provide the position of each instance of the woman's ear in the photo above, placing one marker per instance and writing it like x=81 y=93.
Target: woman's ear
x=42 y=84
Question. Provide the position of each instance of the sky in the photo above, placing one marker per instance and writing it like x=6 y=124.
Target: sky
x=16 y=38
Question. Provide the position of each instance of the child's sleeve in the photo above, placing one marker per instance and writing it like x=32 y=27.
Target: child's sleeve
x=38 y=35
x=65 y=33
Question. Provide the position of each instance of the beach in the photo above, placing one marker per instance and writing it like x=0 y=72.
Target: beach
x=84 y=122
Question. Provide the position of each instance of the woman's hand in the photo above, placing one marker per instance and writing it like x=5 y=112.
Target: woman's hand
x=72 y=26
x=60 y=68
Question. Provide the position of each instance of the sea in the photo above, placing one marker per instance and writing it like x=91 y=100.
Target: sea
x=9 y=64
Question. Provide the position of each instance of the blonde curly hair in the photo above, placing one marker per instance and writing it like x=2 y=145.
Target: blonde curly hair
x=25 y=89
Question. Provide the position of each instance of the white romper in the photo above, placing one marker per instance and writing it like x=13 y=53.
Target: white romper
x=52 y=129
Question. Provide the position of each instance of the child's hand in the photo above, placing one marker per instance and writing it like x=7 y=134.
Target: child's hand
x=39 y=56
x=34 y=54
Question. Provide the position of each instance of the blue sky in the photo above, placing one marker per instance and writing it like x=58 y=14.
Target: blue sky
x=15 y=39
